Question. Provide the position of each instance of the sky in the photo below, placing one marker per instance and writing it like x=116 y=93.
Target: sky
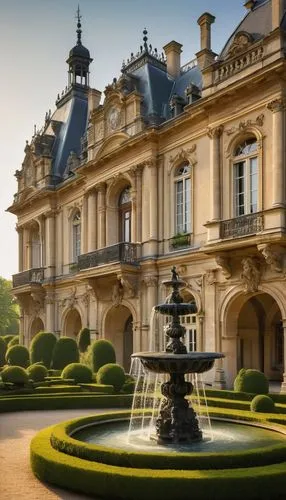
x=35 y=38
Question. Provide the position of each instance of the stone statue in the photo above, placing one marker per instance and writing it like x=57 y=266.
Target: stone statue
x=250 y=275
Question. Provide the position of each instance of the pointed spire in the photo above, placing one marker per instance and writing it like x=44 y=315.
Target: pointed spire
x=78 y=26
x=145 y=38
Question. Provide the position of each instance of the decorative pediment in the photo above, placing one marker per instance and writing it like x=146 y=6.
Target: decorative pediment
x=111 y=144
x=241 y=42
x=188 y=154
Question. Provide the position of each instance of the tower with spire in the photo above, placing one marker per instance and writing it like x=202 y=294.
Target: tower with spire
x=79 y=60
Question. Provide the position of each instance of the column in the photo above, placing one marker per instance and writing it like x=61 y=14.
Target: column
x=84 y=225
x=50 y=244
x=139 y=171
x=153 y=206
x=283 y=385
x=26 y=249
x=50 y=311
x=20 y=249
x=151 y=282
x=215 y=193
x=92 y=226
x=101 y=188
x=59 y=242
x=161 y=215
x=277 y=108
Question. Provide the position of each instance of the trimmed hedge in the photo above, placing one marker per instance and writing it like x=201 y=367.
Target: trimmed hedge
x=63 y=402
x=77 y=371
x=101 y=352
x=3 y=349
x=252 y=381
x=14 y=341
x=15 y=374
x=8 y=338
x=65 y=352
x=37 y=372
x=263 y=404
x=18 y=355
x=41 y=348
x=83 y=339
x=111 y=374
x=63 y=441
x=94 y=478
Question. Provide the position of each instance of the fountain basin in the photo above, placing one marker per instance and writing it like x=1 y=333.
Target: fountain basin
x=191 y=362
x=181 y=309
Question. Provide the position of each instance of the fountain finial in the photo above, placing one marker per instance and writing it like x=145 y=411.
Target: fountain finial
x=175 y=276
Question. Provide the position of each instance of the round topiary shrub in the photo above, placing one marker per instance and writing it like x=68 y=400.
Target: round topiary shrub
x=14 y=341
x=18 y=355
x=37 y=372
x=252 y=381
x=3 y=349
x=65 y=352
x=83 y=339
x=111 y=374
x=263 y=404
x=41 y=348
x=101 y=352
x=8 y=338
x=15 y=374
x=79 y=372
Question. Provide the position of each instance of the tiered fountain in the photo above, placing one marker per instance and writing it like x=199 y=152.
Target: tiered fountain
x=177 y=421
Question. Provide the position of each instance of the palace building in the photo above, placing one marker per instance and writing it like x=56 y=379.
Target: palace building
x=171 y=166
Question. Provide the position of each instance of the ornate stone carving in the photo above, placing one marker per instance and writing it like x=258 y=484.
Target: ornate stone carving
x=211 y=276
x=128 y=284
x=182 y=269
x=117 y=293
x=241 y=42
x=224 y=263
x=215 y=132
x=273 y=258
x=183 y=155
x=49 y=298
x=276 y=105
x=150 y=280
x=113 y=119
x=259 y=120
x=70 y=300
x=250 y=275
x=74 y=206
x=37 y=305
x=72 y=161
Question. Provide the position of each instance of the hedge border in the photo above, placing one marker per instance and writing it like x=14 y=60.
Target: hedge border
x=62 y=440
x=123 y=483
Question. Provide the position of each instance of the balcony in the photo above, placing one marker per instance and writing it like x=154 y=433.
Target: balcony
x=242 y=226
x=29 y=277
x=126 y=253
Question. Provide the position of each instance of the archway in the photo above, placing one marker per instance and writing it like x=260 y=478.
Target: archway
x=118 y=329
x=72 y=324
x=254 y=336
x=36 y=327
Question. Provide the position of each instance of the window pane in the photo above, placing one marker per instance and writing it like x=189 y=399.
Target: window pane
x=239 y=188
x=246 y=148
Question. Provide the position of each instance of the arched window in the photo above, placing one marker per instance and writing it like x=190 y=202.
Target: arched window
x=125 y=215
x=245 y=178
x=182 y=181
x=76 y=236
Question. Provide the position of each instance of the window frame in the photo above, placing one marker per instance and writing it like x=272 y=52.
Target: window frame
x=76 y=235
x=186 y=224
x=125 y=208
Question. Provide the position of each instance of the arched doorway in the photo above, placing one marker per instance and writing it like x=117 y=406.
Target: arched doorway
x=36 y=327
x=254 y=336
x=118 y=329
x=72 y=324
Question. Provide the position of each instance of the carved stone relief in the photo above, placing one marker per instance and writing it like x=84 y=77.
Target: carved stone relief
x=273 y=257
x=183 y=155
x=241 y=42
x=250 y=274
x=243 y=125
x=211 y=277
x=224 y=263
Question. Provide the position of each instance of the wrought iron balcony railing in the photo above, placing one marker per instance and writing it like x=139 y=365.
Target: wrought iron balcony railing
x=242 y=226
x=127 y=253
x=35 y=275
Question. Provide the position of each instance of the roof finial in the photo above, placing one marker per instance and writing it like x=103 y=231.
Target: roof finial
x=145 y=38
x=78 y=26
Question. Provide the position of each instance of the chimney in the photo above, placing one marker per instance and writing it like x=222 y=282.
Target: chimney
x=173 y=54
x=277 y=7
x=205 y=56
x=205 y=21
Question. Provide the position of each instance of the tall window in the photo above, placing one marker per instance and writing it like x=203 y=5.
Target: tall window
x=76 y=235
x=36 y=257
x=125 y=215
x=246 y=178
x=183 y=199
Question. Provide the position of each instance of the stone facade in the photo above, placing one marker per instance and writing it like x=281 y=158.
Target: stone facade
x=232 y=256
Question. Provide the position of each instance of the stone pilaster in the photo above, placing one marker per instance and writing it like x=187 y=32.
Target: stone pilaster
x=20 y=249
x=153 y=206
x=215 y=191
x=277 y=107
x=50 y=244
x=101 y=198
x=283 y=385
x=151 y=283
x=92 y=221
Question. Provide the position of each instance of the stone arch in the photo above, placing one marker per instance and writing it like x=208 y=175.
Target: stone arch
x=242 y=134
x=72 y=323
x=111 y=143
x=118 y=328
x=247 y=333
x=36 y=326
x=114 y=190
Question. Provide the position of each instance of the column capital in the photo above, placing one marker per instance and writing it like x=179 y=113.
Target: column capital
x=215 y=132
x=277 y=105
x=150 y=280
x=101 y=187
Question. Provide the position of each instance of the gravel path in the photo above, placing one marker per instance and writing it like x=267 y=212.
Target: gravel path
x=16 y=431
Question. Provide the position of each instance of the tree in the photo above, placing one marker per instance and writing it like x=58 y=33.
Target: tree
x=9 y=311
